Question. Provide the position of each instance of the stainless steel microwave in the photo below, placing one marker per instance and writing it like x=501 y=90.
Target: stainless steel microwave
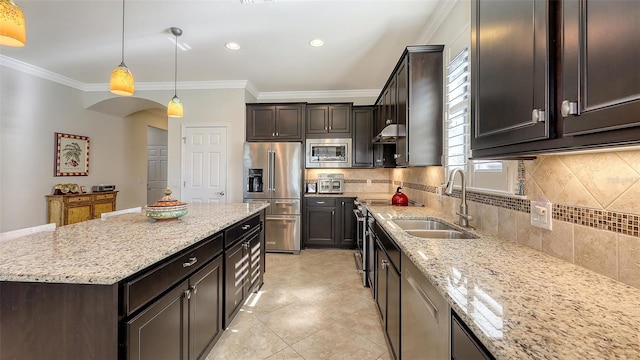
x=328 y=153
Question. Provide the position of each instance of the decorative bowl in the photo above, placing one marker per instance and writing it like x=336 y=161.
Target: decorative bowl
x=166 y=208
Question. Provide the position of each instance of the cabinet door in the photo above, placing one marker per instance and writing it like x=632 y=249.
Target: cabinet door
x=361 y=139
x=77 y=214
x=317 y=119
x=600 y=65
x=320 y=225
x=509 y=71
x=340 y=119
x=159 y=332
x=236 y=273
x=381 y=275
x=205 y=308
x=99 y=208
x=260 y=122
x=348 y=222
x=289 y=122
x=393 y=309
x=254 y=256
x=402 y=98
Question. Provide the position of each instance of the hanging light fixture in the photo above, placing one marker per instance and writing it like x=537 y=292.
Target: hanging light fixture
x=12 y=28
x=121 y=78
x=175 y=109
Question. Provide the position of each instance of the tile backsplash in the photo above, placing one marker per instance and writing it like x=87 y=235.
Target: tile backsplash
x=596 y=210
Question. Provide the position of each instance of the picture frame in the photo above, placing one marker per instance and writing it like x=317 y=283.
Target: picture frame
x=71 y=155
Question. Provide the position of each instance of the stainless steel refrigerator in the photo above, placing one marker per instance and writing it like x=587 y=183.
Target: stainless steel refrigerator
x=273 y=173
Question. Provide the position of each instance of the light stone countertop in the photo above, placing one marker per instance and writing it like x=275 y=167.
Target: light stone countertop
x=521 y=303
x=107 y=251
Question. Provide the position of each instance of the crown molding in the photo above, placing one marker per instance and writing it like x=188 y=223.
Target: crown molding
x=188 y=85
x=40 y=72
x=436 y=19
x=329 y=94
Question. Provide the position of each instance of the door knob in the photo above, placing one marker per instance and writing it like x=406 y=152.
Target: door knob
x=221 y=193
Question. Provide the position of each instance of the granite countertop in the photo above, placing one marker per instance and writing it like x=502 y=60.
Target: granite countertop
x=521 y=303
x=107 y=251
x=360 y=195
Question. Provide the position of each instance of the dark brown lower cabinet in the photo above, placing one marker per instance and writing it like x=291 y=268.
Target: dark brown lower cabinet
x=387 y=295
x=329 y=222
x=243 y=262
x=184 y=323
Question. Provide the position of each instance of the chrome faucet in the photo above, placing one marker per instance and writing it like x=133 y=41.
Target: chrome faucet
x=464 y=210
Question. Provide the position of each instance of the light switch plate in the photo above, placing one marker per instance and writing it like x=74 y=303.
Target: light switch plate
x=541 y=214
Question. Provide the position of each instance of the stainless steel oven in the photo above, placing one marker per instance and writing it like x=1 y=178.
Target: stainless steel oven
x=360 y=256
x=328 y=153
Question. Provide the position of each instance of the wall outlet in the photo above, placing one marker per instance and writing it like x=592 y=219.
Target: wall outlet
x=439 y=192
x=541 y=214
x=368 y=182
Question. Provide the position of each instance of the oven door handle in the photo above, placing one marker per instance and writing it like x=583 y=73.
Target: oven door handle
x=359 y=216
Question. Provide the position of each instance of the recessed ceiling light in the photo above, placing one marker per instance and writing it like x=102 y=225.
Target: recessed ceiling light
x=316 y=42
x=232 y=46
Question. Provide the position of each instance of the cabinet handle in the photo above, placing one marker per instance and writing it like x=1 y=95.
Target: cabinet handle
x=194 y=289
x=192 y=260
x=569 y=108
x=187 y=294
x=273 y=134
x=245 y=227
x=319 y=202
x=537 y=116
x=277 y=134
x=384 y=264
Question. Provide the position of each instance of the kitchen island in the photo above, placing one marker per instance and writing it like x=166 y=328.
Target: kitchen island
x=521 y=303
x=77 y=292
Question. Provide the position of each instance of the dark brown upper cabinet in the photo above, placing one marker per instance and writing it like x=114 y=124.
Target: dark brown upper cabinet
x=363 y=122
x=510 y=53
x=588 y=88
x=412 y=100
x=328 y=120
x=275 y=122
x=600 y=65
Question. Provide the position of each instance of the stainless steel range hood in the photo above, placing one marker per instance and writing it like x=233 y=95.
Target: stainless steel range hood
x=389 y=134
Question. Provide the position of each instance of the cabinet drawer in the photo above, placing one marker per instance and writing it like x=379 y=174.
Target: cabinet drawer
x=158 y=278
x=240 y=230
x=77 y=199
x=104 y=196
x=321 y=202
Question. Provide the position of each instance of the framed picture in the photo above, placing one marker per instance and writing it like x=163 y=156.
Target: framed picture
x=72 y=155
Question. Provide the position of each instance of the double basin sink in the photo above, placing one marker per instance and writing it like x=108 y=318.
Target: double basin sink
x=431 y=229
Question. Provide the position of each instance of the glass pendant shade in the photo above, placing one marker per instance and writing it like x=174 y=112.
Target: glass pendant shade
x=122 y=81
x=12 y=28
x=175 y=109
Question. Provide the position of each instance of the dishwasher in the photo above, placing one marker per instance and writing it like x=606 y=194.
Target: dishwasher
x=425 y=317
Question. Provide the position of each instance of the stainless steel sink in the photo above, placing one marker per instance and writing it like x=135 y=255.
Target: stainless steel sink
x=431 y=229
x=439 y=234
x=421 y=224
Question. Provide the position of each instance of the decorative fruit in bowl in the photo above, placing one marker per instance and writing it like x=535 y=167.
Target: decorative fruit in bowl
x=166 y=208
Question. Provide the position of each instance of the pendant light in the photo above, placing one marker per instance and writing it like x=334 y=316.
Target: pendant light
x=121 y=78
x=12 y=28
x=175 y=109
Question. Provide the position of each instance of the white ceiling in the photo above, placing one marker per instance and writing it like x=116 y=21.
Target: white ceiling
x=81 y=40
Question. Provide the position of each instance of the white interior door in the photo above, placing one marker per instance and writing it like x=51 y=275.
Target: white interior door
x=204 y=161
x=156 y=172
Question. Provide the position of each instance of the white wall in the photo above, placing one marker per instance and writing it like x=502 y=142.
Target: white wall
x=31 y=111
x=211 y=107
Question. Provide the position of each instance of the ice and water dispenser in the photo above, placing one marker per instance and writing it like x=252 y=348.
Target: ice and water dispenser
x=255 y=183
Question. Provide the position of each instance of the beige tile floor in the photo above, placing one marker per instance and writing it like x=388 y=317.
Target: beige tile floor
x=312 y=306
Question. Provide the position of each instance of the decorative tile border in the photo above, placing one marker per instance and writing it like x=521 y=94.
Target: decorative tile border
x=622 y=223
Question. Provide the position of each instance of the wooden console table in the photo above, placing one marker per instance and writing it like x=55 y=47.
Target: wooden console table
x=72 y=208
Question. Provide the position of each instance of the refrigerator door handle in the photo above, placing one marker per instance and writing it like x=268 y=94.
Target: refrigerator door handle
x=272 y=171
x=269 y=170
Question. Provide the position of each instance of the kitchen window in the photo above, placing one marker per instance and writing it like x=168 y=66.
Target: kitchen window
x=482 y=175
